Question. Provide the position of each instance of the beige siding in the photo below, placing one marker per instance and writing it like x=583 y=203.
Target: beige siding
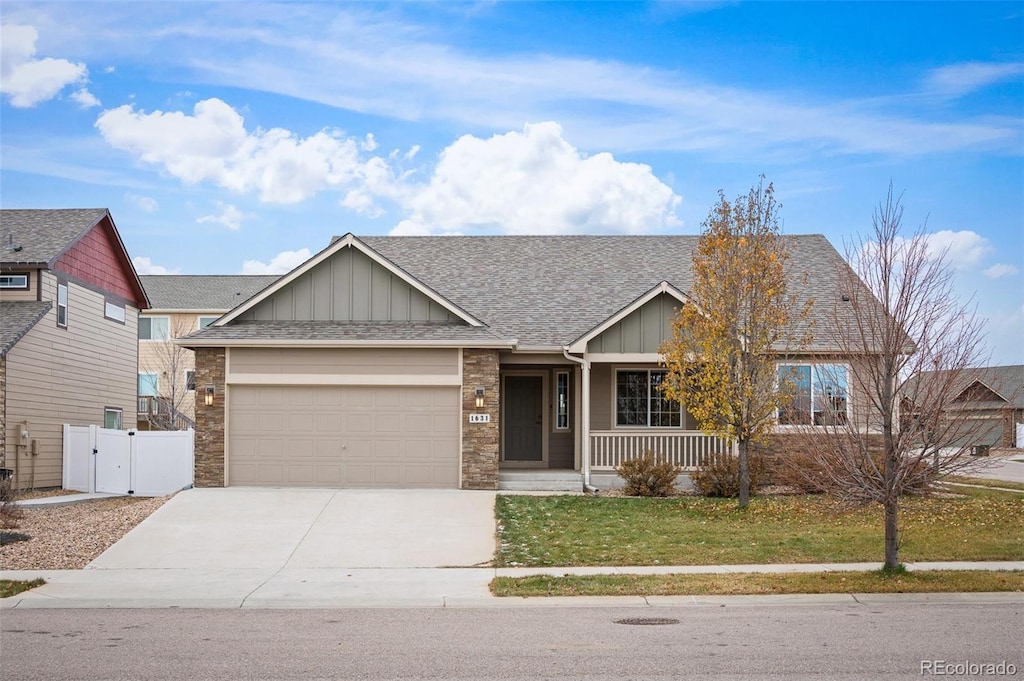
x=30 y=294
x=348 y=287
x=57 y=376
x=352 y=361
x=169 y=361
x=642 y=331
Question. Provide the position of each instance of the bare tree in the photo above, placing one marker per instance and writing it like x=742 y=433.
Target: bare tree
x=909 y=341
x=721 y=358
x=170 y=362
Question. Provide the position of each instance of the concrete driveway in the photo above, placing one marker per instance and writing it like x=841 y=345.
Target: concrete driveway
x=274 y=529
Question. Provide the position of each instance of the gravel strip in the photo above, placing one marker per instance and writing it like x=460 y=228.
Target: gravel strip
x=70 y=537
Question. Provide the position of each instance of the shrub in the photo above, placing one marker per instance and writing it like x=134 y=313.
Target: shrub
x=719 y=475
x=10 y=514
x=647 y=476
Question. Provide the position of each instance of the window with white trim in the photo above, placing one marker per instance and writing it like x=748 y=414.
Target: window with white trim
x=206 y=321
x=154 y=328
x=18 y=282
x=818 y=394
x=112 y=418
x=562 y=400
x=113 y=311
x=149 y=384
x=190 y=381
x=62 y=305
x=640 y=403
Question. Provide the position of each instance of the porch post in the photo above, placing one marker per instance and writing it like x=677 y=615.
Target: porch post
x=584 y=402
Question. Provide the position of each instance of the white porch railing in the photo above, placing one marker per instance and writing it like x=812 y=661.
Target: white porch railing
x=686 y=448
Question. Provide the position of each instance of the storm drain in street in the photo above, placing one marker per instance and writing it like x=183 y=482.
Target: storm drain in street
x=647 y=620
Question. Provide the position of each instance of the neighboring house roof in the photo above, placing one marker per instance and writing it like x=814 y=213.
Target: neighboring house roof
x=17 y=318
x=39 y=237
x=203 y=292
x=980 y=388
x=545 y=292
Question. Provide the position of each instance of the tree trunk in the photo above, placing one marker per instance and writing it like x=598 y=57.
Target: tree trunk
x=892 y=544
x=744 y=462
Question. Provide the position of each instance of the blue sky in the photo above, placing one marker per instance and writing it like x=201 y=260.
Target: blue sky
x=238 y=137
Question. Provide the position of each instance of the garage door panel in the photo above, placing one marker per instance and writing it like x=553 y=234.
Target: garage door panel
x=344 y=436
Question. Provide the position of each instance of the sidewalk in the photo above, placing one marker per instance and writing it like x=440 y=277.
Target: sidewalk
x=410 y=587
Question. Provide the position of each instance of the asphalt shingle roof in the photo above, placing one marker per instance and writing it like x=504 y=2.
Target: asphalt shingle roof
x=203 y=292
x=41 y=235
x=441 y=332
x=17 y=317
x=550 y=290
x=1005 y=381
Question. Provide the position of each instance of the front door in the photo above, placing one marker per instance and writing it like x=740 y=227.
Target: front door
x=523 y=422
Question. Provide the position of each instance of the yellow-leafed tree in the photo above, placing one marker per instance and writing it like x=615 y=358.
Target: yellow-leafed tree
x=722 y=357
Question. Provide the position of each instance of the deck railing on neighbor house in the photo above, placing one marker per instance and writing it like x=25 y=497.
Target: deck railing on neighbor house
x=609 y=448
x=161 y=414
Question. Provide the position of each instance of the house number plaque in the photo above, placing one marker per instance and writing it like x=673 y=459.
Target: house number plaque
x=479 y=418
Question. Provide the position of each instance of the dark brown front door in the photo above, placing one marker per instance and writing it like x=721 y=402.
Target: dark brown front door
x=524 y=419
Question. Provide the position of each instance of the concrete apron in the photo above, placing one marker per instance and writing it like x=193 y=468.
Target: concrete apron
x=290 y=548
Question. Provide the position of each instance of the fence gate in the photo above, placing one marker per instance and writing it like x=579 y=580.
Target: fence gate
x=146 y=464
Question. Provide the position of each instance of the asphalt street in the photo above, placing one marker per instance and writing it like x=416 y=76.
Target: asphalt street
x=769 y=640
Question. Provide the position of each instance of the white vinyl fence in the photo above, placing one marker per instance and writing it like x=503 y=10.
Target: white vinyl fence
x=141 y=463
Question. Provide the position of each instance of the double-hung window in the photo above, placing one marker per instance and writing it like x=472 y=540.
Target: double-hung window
x=817 y=393
x=62 y=305
x=640 y=403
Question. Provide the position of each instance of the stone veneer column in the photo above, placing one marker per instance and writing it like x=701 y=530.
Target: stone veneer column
x=3 y=410
x=480 y=440
x=209 y=450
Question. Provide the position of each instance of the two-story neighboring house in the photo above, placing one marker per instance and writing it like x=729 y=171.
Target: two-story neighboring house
x=69 y=305
x=180 y=305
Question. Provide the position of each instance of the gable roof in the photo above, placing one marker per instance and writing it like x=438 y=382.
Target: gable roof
x=39 y=237
x=203 y=292
x=983 y=388
x=549 y=291
x=17 y=318
x=580 y=344
x=336 y=245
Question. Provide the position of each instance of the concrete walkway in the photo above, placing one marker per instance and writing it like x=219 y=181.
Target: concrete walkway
x=404 y=587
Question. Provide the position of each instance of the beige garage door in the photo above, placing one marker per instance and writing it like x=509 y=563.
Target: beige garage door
x=343 y=436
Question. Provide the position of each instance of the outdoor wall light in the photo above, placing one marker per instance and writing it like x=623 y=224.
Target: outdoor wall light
x=479 y=398
x=209 y=393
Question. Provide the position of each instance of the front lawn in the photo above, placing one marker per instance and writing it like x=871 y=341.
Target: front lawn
x=978 y=524
x=933 y=581
x=12 y=587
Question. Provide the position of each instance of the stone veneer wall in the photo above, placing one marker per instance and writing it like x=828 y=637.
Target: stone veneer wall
x=480 y=440
x=209 y=451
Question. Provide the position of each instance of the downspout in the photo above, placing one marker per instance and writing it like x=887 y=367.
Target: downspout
x=584 y=416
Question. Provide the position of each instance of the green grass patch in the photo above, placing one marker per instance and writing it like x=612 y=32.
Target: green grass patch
x=924 y=581
x=536 y=531
x=11 y=587
x=985 y=482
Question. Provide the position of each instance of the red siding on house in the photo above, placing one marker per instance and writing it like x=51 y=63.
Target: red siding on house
x=98 y=260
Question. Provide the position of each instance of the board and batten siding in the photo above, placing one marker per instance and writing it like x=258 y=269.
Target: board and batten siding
x=348 y=287
x=642 y=331
x=57 y=376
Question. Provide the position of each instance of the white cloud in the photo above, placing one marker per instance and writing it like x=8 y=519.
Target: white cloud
x=283 y=262
x=145 y=203
x=963 y=249
x=229 y=216
x=960 y=79
x=213 y=145
x=1000 y=270
x=143 y=265
x=535 y=182
x=85 y=99
x=27 y=81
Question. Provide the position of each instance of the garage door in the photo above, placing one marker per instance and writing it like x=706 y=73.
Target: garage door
x=343 y=436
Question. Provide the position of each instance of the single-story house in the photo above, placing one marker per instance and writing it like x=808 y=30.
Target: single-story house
x=69 y=303
x=458 y=361
x=988 y=404
x=181 y=304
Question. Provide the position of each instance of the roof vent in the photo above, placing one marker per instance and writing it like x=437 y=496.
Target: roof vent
x=846 y=298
